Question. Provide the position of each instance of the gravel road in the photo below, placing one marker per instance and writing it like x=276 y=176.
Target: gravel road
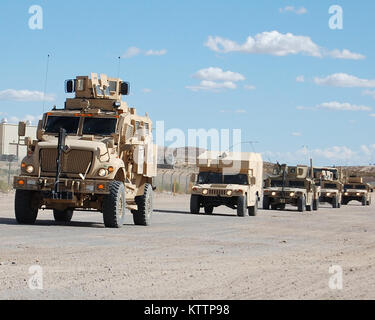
x=276 y=255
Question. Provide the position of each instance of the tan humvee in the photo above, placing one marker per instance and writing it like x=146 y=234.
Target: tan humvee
x=329 y=180
x=232 y=179
x=356 y=189
x=95 y=154
x=293 y=186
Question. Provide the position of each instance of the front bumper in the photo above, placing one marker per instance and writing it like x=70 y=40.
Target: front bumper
x=67 y=187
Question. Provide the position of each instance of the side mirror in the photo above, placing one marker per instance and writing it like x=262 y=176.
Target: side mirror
x=193 y=178
x=253 y=180
x=39 y=132
x=125 y=88
x=69 y=86
x=22 y=129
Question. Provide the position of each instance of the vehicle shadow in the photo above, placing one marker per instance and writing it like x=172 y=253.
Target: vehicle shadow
x=199 y=214
x=49 y=223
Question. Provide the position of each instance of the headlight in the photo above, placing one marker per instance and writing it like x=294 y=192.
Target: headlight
x=328 y=194
x=358 y=194
x=205 y=191
x=346 y=193
x=229 y=192
x=273 y=193
x=29 y=169
x=292 y=194
x=102 y=172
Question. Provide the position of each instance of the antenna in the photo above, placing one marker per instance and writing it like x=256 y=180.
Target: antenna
x=118 y=67
x=45 y=83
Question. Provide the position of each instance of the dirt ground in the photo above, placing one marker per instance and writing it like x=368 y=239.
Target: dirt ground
x=276 y=255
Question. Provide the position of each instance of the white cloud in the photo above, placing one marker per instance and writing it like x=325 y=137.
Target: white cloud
x=156 y=52
x=277 y=44
x=25 y=95
x=369 y=93
x=214 y=79
x=372 y=115
x=217 y=74
x=131 y=52
x=301 y=10
x=240 y=111
x=146 y=90
x=134 y=51
x=296 y=134
x=345 y=81
x=28 y=118
x=249 y=87
x=337 y=106
x=300 y=79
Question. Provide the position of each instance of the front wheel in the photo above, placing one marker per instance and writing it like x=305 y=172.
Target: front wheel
x=26 y=207
x=266 y=203
x=241 y=206
x=253 y=211
x=301 y=203
x=195 y=204
x=142 y=217
x=364 y=201
x=316 y=204
x=114 y=205
x=208 y=209
x=63 y=216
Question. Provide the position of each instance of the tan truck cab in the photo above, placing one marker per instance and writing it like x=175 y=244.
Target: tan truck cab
x=356 y=189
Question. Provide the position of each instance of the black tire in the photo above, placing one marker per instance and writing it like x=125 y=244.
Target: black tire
x=282 y=206
x=208 y=209
x=274 y=206
x=145 y=203
x=241 y=206
x=26 y=207
x=344 y=202
x=339 y=205
x=315 y=205
x=368 y=203
x=195 y=205
x=63 y=216
x=335 y=203
x=364 y=201
x=114 y=205
x=301 y=204
x=266 y=203
x=253 y=211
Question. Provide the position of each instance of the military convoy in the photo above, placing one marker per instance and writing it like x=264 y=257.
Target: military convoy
x=94 y=154
x=231 y=179
x=291 y=185
x=97 y=154
x=356 y=189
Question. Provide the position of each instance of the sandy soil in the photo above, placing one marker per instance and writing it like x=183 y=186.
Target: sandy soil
x=276 y=255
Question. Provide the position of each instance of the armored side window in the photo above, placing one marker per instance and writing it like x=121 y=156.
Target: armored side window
x=113 y=86
x=147 y=127
x=300 y=171
x=137 y=124
x=80 y=85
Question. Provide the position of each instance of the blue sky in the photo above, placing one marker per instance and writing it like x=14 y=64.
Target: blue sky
x=174 y=71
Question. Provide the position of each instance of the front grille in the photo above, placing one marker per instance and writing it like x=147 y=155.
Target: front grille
x=74 y=161
x=216 y=192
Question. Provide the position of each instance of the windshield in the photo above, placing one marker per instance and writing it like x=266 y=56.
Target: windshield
x=70 y=124
x=276 y=183
x=296 y=184
x=360 y=187
x=99 y=126
x=349 y=186
x=236 y=179
x=210 y=177
x=330 y=186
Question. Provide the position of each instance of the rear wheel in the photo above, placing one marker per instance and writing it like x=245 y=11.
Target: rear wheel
x=301 y=204
x=142 y=217
x=208 y=209
x=316 y=204
x=241 y=206
x=266 y=203
x=114 y=205
x=194 y=204
x=26 y=206
x=63 y=216
x=253 y=211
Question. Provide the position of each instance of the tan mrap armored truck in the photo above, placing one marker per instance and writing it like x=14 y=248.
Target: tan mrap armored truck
x=356 y=189
x=95 y=154
x=291 y=185
x=329 y=180
x=232 y=179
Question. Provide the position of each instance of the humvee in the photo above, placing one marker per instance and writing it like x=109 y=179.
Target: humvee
x=232 y=179
x=331 y=186
x=94 y=154
x=356 y=189
x=291 y=185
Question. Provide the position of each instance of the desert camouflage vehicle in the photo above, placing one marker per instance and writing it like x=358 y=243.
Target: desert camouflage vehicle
x=356 y=189
x=232 y=179
x=329 y=180
x=293 y=186
x=95 y=154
